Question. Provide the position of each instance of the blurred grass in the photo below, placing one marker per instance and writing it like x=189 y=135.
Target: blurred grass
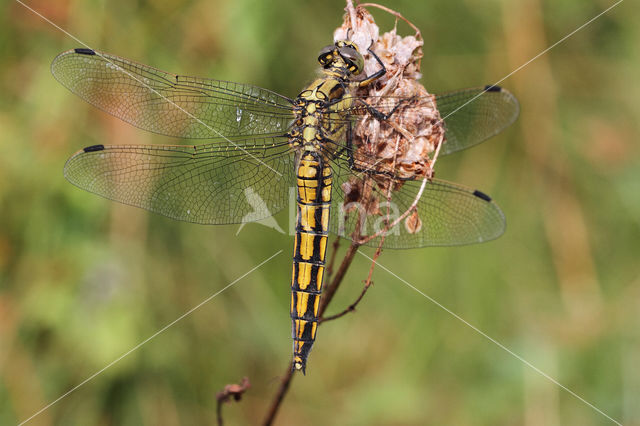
x=83 y=280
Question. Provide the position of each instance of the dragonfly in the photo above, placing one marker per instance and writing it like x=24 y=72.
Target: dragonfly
x=261 y=143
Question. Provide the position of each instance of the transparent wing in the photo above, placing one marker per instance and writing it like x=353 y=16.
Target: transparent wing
x=447 y=213
x=217 y=183
x=474 y=115
x=170 y=104
x=471 y=116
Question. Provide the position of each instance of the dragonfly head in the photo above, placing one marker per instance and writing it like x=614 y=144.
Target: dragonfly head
x=342 y=56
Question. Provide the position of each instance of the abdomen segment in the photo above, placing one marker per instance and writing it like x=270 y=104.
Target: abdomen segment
x=312 y=222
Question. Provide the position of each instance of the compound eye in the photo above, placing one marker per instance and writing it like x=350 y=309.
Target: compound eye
x=353 y=58
x=325 y=57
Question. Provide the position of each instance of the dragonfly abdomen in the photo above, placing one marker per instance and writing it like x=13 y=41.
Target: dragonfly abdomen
x=312 y=223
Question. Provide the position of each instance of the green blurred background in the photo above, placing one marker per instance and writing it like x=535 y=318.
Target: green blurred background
x=83 y=280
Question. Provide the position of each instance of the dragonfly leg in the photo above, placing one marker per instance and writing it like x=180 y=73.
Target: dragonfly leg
x=381 y=116
x=376 y=75
x=349 y=146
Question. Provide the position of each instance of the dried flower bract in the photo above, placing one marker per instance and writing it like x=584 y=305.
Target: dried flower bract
x=400 y=146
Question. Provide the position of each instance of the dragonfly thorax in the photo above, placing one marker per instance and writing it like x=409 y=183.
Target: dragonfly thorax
x=315 y=110
x=319 y=109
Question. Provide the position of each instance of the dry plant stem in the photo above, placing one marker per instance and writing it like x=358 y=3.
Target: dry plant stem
x=219 y=413
x=350 y=308
x=324 y=302
x=331 y=289
x=282 y=391
x=397 y=15
x=394 y=13
x=230 y=391
x=411 y=208
x=434 y=159
x=327 y=296
x=332 y=260
x=367 y=284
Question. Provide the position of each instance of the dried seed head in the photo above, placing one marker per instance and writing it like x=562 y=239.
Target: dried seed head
x=400 y=147
x=413 y=223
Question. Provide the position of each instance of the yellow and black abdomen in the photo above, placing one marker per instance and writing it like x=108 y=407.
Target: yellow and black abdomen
x=312 y=223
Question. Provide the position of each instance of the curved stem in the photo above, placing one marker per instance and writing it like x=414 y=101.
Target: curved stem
x=324 y=302
x=282 y=391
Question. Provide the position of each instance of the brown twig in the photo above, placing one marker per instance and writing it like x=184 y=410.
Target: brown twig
x=326 y=298
x=332 y=260
x=396 y=14
x=282 y=391
x=368 y=282
x=350 y=308
x=324 y=302
x=230 y=391
x=376 y=255
x=331 y=289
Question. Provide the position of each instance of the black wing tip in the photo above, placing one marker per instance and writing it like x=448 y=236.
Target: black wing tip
x=482 y=195
x=84 y=51
x=93 y=148
x=492 y=88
